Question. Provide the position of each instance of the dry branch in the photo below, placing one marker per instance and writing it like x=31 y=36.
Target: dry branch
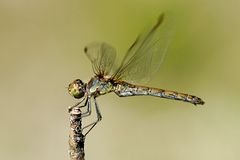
x=76 y=138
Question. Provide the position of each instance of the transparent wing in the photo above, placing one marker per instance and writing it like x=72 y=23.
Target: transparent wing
x=102 y=57
x=144 y=57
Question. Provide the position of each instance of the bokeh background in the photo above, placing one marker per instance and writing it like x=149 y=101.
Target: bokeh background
x=41 y=51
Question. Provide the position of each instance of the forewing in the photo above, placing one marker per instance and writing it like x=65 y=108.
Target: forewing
x=144 y=57
x=102 y=57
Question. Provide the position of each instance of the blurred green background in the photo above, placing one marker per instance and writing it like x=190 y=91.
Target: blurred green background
x=41 y=48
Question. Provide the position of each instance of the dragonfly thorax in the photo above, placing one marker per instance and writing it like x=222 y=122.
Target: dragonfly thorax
x=77 y=88
x=99 y=86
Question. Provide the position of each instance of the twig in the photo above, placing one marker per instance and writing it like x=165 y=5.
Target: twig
x=76 y=138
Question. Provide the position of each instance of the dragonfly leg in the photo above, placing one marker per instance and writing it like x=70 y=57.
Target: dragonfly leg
x=77 y=104
x=89 y=110
x=99 y=115
x=99 y=118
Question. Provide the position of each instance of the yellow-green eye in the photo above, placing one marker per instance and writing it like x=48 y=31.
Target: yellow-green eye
x=77 y=94
x=76 y=89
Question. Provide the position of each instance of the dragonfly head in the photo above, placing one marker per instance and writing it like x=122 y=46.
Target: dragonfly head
x=77 y=88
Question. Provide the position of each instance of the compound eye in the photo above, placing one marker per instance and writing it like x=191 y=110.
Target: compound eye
x=76 y=89
x=79 y=94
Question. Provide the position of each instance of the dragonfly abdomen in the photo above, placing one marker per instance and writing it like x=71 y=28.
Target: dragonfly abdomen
x=124 y=89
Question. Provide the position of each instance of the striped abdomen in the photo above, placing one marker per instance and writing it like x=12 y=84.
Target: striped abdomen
x=124 y=89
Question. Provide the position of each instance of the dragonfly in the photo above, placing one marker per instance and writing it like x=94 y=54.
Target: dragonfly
x=141 y=61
